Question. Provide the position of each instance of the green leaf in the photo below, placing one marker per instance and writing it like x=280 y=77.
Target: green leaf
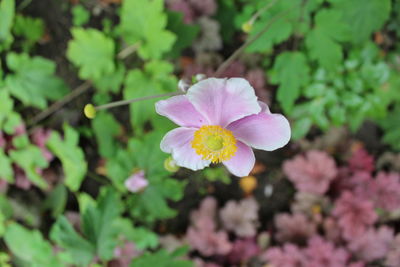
x=185 y=33
x=7 y=10
x=106 y=128
x=80 y=15
x=31 y=29
x=390 y=125
x=144 y=22
x=156 y=79
x=6 y=107
x=141 y=236
x=30 y=159
x=160 y=258
x=291 y=72
x=71 y=156
x=30 y=246
x=322 y=41
x=33 y=81
x=6 y=170
x=363 y=17
x=56 y=201
x=111 y=82
x=98 y=224
x=92 y=52
x=80 y=251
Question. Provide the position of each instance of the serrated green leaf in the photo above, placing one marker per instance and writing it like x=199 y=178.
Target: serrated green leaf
x=80 y=250
x=31 y=29
x=7 y=10
x=6 y=107
x=322 y=41
x=291 y=72
x=33 y=81
x=30 y=246
x=71 y=156
x=106 y=128
x=111 y=82
x=160 y=258
x=155 y=79
x=363 y=17
x=92 y=52
x=57 y=200
x=144 y=22
x=80 y=15
x=185 y=33
x=6 y=170
x=98 y=224
x=30 y=159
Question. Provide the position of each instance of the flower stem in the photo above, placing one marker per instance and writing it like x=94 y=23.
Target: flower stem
x=133 y=100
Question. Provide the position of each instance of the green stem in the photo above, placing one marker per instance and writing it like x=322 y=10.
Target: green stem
x=129 y=101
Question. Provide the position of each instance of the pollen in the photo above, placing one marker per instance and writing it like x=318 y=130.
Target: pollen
x=214 y=143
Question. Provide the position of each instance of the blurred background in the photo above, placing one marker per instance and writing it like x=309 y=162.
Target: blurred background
x=100 y=192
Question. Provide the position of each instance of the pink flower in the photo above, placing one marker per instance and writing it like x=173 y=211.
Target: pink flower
x=294 y=228
x=136 y=182
x=220 y=121
x=323 y=253
x=311 y=173
x=374 y=244
x=288 y=256
x=393 y=256
x=240 y=217
x=385 y=191
x=354 y=214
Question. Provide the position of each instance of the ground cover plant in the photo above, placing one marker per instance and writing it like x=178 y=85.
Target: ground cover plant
x=199 y=133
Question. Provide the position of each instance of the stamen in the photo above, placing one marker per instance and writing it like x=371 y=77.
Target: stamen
x=214 y=143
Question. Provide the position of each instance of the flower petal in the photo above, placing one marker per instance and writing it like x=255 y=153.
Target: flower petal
x=178 y=143
x=262 y=131
x=242 y=162
x=179 y=110
x=223 y=101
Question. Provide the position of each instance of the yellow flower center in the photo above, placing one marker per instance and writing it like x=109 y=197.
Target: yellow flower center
x=214 y=143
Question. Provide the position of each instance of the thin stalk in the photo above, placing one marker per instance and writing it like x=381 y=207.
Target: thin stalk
x=262 y=10
x=129 y=101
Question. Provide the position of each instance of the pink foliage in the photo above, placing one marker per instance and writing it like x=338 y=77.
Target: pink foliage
x=385 y=191
x=124 y=255
x=240 y=217
x=184 y=7
x=294 y=227
x=311 y=173
x=289 y=256
x=354 y=214
x=323 y=253
x=243 y=250
x=373 y=244
x=360 y=160
x=393 y=256
x=39 y=137
x=202 y=235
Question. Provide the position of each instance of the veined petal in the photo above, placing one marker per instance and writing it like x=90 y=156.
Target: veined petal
x=178 y=143
x=223 y=101
x=179 y=110
x=242 y=162
x=262 y=131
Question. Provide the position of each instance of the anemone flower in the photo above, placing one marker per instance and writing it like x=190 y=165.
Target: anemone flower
x=220 y=121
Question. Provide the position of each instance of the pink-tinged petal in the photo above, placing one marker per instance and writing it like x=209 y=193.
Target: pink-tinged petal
x=264 y=107
x=223 y=101
x=136 y=182
x=262 y=131
x=178 y=143
x=242 y=162
x=179 y=110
